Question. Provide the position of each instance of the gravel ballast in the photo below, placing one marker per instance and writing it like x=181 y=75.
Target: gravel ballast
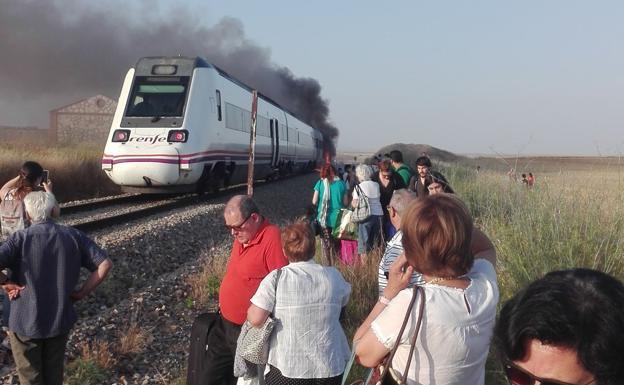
x=152 y=260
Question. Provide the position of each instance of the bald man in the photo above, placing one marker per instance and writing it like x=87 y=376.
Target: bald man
x=256 y=251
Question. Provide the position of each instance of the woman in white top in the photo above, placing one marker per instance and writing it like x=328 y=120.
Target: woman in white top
x=460 y=298
x=308 y=345
x=369 y=230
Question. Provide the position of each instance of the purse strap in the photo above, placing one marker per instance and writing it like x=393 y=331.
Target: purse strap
x=421 y=310
x=361 y=196
x=277 y=278
x=388 y=361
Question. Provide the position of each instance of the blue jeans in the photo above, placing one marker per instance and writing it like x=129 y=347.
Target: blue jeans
x=369 y=233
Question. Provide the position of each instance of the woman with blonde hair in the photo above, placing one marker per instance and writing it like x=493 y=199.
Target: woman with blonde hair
x=460 y=296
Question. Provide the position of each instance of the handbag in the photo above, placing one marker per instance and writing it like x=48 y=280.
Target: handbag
x=345 y=228
x=362 y=211
x=253 y=343
x=384 y=374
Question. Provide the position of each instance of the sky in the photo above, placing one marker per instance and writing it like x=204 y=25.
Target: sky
x=471 y=77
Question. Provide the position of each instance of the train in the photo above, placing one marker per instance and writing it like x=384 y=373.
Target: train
x=183 y=125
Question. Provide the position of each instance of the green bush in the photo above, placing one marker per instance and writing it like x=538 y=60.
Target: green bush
x=85 y=372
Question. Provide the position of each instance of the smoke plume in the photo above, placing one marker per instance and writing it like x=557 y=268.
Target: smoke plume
x=55 y=52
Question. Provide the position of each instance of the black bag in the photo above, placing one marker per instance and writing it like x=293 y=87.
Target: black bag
x=198 y=351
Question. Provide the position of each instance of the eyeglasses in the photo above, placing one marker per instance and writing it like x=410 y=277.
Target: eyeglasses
x=386 y=176
x=238 y=227
x=518 y=376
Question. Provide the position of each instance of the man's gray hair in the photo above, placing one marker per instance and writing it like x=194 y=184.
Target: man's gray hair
x=401 y=199
x=363 y=172
x=242 y=204
x=39 y=205
x=248 y=207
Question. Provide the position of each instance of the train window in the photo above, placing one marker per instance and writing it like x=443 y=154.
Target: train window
x=292 y=135
x=283 y=133
x=233 y=117
x=158 y=96
x=263 y=128
x=246 y=120
x=219 y=116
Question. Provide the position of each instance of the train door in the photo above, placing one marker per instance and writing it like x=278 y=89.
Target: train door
x=274 y=143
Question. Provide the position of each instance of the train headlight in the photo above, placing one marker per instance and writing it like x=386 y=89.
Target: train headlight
x=179 y=136
x=121 y=136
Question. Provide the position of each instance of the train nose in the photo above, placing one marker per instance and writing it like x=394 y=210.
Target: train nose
x=141 y=167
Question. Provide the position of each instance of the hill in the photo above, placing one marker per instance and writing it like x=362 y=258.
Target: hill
x=411 y=152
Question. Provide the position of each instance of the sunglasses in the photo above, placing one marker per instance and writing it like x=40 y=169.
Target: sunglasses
x=518 y=376
x=238 y=227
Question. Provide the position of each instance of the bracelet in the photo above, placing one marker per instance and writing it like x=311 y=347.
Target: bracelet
x=384 y=301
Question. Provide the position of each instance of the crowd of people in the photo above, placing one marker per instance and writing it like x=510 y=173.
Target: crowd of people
x=376 y=184
x=434 y=320
x=40 y=263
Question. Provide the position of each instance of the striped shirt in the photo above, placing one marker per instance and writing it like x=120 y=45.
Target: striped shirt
x=46 y=259
x=308 y=340
x=394 y=248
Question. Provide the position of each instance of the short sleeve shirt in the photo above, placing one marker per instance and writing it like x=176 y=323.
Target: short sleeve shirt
x=46 y=258
x=309 y=341
x=457 y=327
x=337 y=191
x=394 y=248
x=246 y=268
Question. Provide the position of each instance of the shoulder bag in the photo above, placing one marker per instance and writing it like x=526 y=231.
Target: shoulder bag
x=253 y=343
x=362 y=211
x=384 y=374
x=345 y=228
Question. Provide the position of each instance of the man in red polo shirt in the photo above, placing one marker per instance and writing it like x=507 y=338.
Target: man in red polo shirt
x=257 y=250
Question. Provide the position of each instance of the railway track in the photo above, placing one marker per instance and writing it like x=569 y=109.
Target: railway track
x=165 y=203
x=78 y=215
x=73 y=208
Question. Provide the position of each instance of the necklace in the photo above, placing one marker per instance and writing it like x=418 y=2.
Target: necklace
x=441 y=279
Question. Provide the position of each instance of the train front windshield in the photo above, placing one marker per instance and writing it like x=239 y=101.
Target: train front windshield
x=158 y=96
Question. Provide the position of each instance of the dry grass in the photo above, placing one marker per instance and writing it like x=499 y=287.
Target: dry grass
x=98 y=352
x=74 y=170
x=132 y=340
x=204 y=285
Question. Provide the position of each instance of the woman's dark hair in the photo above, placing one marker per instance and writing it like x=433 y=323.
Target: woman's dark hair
x=385 y=166
x=436 y=177
x=29 y=174
x=581 y=309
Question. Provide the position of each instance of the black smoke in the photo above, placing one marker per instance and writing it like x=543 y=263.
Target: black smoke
x=55 y=52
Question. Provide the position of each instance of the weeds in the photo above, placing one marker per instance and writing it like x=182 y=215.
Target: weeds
x=133 y=340
x=74 y=170
x=204 y=285
x=85 y=372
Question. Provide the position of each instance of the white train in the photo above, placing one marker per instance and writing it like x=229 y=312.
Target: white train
x=182 y=124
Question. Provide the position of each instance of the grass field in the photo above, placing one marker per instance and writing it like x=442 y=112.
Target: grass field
x=75 y=171
x=573 y=217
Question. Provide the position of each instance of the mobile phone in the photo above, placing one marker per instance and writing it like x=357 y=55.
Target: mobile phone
x=45 y=176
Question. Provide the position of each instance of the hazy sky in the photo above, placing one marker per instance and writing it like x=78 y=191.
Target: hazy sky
x=530 y=77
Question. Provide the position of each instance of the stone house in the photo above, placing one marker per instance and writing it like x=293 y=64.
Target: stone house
x=85 y=121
